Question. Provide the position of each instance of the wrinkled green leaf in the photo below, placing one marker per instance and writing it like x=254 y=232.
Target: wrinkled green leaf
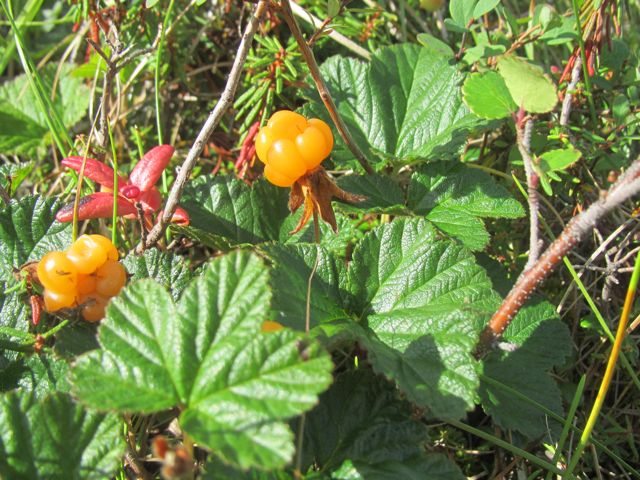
x=404 y=105
x=361 y=423
x=38 y=374
x=335 y=242
x=226 y=211
x=470 y=230
x=418 y=294
x=433 y=467
x=530 y=88
x=454 y=197
x=383 y=195
x=206 y=353
x=18 y=133
x=28 y=230
x=539 y=341
x=76 y=339
x=14 y=313
x=169 y=270
x=290 y=276
x=55 y=438
x=22 y=115
x=487 y=95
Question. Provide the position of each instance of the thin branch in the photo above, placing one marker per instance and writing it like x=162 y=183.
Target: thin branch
x=568 y=98
x=627 y=186
x=225 y=101
x=322 y=86
x=524 y=146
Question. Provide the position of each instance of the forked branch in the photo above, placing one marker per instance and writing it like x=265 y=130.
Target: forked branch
x=627 y=186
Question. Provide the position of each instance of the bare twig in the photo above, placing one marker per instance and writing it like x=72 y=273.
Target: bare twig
x=322 y=86
x=524 y=146
x=225 y=101
x=568 y=98
x=627 y=186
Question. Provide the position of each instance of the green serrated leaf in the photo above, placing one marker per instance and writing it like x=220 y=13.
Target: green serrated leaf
x=487 y=95
x=19 y=105
x=433 y=467
x=361 y=429
x=530 y=88
x=418 y=294
x=169 y=270
x=454 y=197
x=533 y=343
x=290 y=276
x=76 y=339
x=337 y=243
x=19 y=134
x=55 y=438
x=14 y=313
x=404 y=105
x=383 y=195
x=206 y=354
x=28 y=230
x=360 y=418
x=38 y=374
x=470 y=230
x=539 y=341
x=228 y=212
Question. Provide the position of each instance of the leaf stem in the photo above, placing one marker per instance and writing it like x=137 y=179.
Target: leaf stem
x=524 y=146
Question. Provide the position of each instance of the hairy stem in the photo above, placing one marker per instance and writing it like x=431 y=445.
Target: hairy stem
x=627 y=186
x=524 y=146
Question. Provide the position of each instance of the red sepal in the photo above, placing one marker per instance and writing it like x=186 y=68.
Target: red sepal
x=96 y=205
x=150 y=167
x=95 y=170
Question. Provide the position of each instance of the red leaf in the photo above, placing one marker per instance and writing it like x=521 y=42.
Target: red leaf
x=95 y=170
x=149 y=169
x=96 y=205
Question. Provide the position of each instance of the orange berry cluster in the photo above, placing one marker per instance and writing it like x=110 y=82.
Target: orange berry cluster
x=87 y=274
x=290 y=146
